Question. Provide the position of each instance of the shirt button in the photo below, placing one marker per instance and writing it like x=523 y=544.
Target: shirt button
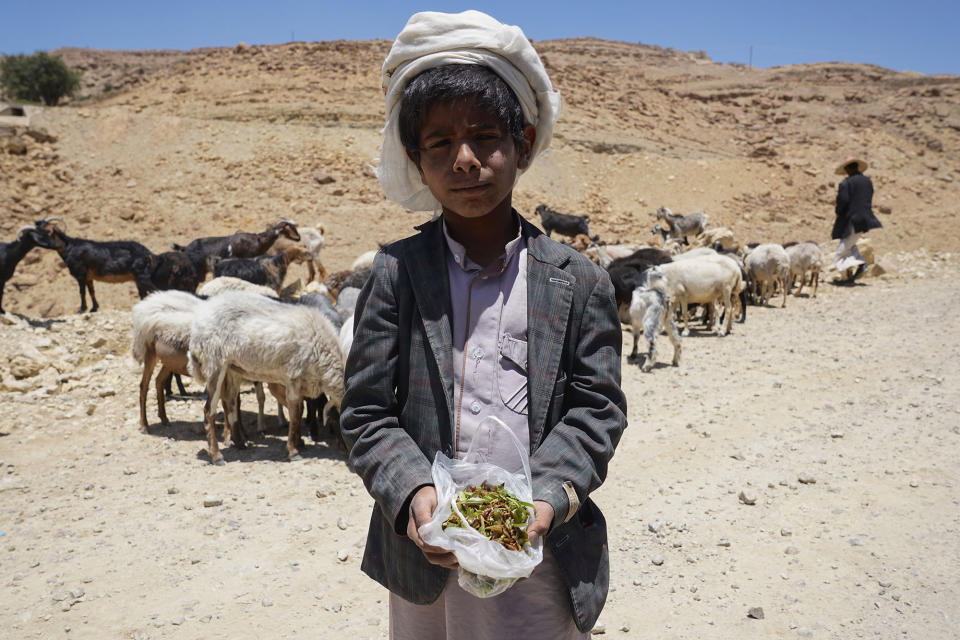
x=456 y=259
x=475 y=407
x=478 y=353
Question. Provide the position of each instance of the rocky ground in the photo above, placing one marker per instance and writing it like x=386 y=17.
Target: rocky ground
x=804 y=465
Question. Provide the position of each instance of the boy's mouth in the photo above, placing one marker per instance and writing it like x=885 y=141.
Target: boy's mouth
x=471 y=188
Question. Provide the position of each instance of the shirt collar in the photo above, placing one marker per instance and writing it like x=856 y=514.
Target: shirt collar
x=459 y=253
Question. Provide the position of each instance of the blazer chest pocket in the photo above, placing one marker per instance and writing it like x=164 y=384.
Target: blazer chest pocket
x=512 y=373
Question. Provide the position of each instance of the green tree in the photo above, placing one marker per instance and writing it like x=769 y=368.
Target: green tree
x=37 y=78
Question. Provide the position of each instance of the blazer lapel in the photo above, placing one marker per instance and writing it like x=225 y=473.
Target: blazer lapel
x=427 y=264
x=549 y=296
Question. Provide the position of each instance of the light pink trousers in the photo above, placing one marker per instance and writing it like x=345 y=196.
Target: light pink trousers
x=537 y=608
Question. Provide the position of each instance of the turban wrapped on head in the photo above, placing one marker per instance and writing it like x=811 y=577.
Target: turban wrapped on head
x=432 y=39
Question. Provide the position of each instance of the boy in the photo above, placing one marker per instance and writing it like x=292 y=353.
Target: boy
x=478 y=315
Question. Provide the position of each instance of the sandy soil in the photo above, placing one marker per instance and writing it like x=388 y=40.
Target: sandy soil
x=841 y=423
x=839 y=414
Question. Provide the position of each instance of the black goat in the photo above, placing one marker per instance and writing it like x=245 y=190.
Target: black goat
x=264 y=270
x=89 y=260
x=176 y=270
x=563 y=223
x=238 y=245
x=11 y=253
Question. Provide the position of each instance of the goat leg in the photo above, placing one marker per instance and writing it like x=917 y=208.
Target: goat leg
x=214 y=390
x=294 y=441
x=164 y=375
x=633 y=354
x=332 y=420
x=149 y=362
x=83 y=294
x=93 y=296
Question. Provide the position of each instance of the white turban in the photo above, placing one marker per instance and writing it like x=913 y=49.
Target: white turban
x=432 y=39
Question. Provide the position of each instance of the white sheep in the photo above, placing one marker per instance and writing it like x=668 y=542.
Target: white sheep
x=768 y=267
x=239 y=336
x=365 y=259
x=605 y=254
x=723 y=235
x=228 y=283
x=161 y=333
x=650 y=311
x=708 y=280
x=805 y=258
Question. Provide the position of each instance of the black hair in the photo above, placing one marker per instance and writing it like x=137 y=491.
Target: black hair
x=451 y=82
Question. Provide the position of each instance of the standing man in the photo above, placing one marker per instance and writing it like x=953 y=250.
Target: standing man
x=854 y=216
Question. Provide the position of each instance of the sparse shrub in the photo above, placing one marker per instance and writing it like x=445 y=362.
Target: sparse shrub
x=107 y=88
x=37 y=78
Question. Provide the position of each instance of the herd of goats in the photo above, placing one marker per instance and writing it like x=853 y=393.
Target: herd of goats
x=242 y=326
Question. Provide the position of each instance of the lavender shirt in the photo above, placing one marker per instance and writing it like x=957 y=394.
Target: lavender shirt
x=490 y=347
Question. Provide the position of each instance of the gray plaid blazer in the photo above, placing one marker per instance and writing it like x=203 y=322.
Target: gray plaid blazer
x=398 y=410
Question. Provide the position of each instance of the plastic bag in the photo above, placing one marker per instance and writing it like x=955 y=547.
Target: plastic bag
x=487 y=568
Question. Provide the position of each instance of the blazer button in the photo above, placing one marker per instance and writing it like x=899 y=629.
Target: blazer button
x=475 y=407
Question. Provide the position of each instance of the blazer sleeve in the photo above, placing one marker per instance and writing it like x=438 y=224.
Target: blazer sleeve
x=381 y=451
x=578 y=448
x=843 y=198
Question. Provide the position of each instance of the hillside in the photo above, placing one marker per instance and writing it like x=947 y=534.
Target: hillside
x=209 y=141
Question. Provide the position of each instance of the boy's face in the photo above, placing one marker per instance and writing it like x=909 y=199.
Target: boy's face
x=467 y=159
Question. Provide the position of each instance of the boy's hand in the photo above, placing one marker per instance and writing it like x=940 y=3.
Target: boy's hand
x=542 y=517
x=421 y=510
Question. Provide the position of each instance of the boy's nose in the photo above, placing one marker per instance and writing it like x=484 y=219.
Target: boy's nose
x=466 y=158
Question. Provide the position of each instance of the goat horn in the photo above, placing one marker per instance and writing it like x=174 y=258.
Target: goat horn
x=63 y=222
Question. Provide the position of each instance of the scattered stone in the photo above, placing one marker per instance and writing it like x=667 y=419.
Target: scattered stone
x=172 y=491
x=785 y=532
x=267 y=602
x=914 y=483
x=886 y=584
x=836 y=433
x=748 y=496
x=657 y=560
x=625 y=628
x=723 y=543
x=323 y=178
x=99 y=342
x=342 y=524
x=599 y=629
x=806 y=478
x=791 y=551
x=655 y=526
x=343 y=555
x=756 y=613
x=212 y=501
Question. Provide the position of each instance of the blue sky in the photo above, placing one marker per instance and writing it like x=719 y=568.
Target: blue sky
x=921 y=35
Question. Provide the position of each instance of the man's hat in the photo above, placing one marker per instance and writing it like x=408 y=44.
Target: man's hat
x=842 y=168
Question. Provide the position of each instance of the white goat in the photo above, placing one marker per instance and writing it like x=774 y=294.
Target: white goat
x=311 y=241
x=768 y=267
x=650 y=311
x=240 y=336
x=680 y=226
x=805 y=257
x=704 y=280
